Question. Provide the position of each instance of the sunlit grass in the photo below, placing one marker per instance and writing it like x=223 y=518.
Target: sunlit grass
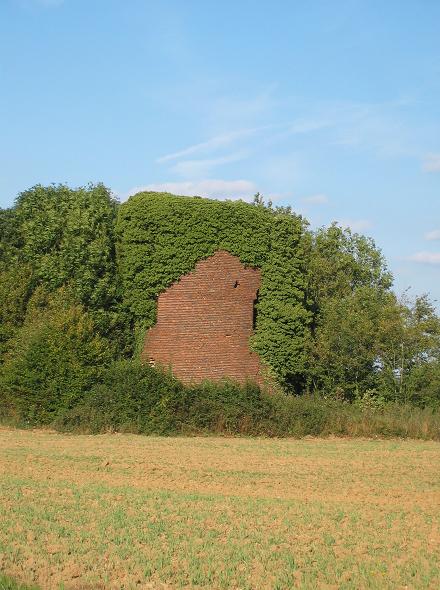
x=120 y=511
x=7 y=583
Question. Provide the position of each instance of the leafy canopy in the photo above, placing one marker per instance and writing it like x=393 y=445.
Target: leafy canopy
x=161 y=237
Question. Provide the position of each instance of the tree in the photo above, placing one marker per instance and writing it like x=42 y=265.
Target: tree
x=341 y=261
x=352 y=308
x=58 y=244
x=67 y=236
x=419 y=369
x=351 y=338
x=54 y=359
x=15 y=279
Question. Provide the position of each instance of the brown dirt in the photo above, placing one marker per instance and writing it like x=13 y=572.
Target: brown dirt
x=335 y=507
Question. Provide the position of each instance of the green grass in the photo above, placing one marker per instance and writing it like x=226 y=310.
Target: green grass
x=7 y=583
x=193 y=540
x=123 y=511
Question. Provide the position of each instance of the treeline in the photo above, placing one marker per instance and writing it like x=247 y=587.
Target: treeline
x=79 y=276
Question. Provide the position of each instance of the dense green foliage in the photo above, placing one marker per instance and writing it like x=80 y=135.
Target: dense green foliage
x=55 y=359
x=79 y=279
x=68 y=235
x=161 y=237
x=138 y=398
x=55 y=236
x=363 y=340
x=60 y=316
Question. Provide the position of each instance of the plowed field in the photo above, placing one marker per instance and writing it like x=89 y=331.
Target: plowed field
x=123 y=511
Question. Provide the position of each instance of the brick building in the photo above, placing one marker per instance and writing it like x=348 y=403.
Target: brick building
x=204 y=321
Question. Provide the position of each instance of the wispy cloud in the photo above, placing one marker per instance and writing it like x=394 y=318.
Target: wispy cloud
x=232 y=111
x=195 y=169
x=300 y=127
x=212 y=144
x=357 y=225
x=431 y=163
x=242 y=138
x=433 y=235
x=308 y=125
x=252 y=130
x=375 y=127
x=426 y=257
x=319 y=199
x=214 y=188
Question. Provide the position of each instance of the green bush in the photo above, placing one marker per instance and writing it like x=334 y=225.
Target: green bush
x=55 y=359
x=133 y=397
x=130 y=397
x=225 y=407
x=137 y=398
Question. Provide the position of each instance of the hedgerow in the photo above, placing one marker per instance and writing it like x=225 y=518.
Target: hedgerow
x=161 y=237
x=137 y=398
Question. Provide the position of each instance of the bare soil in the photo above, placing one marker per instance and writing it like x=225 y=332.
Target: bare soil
x=124 y=511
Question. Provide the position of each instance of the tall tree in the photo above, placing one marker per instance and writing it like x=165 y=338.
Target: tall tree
x=68 y=236
x=352 y=308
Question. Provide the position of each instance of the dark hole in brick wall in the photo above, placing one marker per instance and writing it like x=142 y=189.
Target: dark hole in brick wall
x=236 y=284
x=255 y=312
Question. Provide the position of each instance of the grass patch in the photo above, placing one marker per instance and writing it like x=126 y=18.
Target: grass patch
x=7 y=583
x=117 y=511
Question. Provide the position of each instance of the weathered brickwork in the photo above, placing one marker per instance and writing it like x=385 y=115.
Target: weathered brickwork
x=204 y=322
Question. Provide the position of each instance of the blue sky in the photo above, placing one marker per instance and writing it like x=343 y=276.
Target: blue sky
x=332 y=107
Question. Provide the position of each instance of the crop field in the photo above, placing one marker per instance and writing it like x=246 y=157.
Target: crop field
x=124 y=511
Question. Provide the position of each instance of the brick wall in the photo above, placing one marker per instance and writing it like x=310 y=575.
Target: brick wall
x=204 y=322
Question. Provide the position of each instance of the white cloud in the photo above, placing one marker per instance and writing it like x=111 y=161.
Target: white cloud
x=214 y=188
x=431 y=236
x=426 y=257
x=192 y=169
x=211 y=144
x=319 y=199
x=431 y=163
x=299 y=127
x=357 y=225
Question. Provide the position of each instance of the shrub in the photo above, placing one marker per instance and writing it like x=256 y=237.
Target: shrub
x=130 y=397
x=137 y=398
x=54 y=360
x=225 y=407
